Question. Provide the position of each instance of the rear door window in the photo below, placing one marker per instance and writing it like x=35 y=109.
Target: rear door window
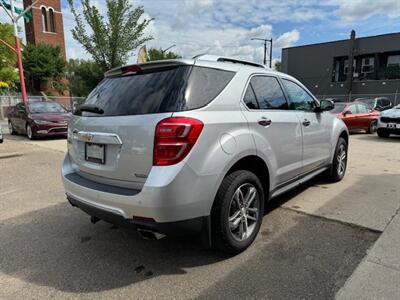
x=264 y=92
x=174 y=89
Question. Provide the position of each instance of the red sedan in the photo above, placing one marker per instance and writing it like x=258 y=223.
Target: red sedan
x=38 y=119
x=357 y=115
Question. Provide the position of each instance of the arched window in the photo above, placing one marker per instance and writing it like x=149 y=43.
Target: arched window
x=52 y=20
x=44 y=19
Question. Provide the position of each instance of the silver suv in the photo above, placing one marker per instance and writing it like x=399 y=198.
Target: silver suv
x=197 y=146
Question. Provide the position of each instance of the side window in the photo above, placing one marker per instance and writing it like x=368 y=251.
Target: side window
x=268 y=93
x=250 y=99
x=299 y=98
x=20 y=106
x=362 y=109
x=352 y=108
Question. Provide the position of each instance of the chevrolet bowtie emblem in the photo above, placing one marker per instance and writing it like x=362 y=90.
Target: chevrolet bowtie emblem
x=87 y=137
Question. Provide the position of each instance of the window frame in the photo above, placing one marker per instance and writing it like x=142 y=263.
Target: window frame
x=263 y=109
x=304 y=88
x=45 y=21
x=51 y=20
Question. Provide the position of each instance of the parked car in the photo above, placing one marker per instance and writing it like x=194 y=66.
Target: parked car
x=379 y=103
x=38 y=119
x=1 y=136
x=389 y=122
x=197 y=146
x=357 y=116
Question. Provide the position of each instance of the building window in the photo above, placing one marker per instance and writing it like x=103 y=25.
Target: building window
x=346 y=66
x=52 y=20
x=393 y=61
x=44 y=19
x=367 y=65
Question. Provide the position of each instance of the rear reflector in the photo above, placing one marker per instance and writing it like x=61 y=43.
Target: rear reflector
x=174 y=138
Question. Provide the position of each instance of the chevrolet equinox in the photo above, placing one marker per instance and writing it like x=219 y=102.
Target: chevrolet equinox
x=197 y=146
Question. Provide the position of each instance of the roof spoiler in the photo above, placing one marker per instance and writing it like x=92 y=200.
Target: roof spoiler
x=140 y=68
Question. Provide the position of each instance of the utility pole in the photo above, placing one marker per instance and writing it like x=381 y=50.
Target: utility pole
x=265 y=50
x=349 y=79
x=17 y=49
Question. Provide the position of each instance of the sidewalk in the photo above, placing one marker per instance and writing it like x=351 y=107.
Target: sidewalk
x=378 y=275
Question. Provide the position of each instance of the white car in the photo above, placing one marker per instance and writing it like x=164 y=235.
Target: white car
x=1 y=135
x=389 y=122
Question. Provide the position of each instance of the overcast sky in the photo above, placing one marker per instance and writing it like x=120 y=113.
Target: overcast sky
x=225 y=27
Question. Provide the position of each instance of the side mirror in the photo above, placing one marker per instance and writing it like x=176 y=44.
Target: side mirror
x=347 y=112
x=378 y=108
x=326 y=105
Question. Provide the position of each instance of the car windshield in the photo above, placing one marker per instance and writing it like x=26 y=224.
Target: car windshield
x=46 y=107
x=338 y=108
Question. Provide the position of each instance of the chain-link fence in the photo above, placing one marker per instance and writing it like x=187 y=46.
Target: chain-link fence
x=394 y=98
x=7 y=101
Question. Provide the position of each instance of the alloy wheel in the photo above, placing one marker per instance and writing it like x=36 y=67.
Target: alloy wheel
x=341 y=158
x=244 y=212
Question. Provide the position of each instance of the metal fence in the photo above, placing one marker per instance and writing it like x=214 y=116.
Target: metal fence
x=6 y=101
x=393 y=97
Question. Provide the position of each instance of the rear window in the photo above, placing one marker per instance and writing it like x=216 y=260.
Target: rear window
x=168 y=90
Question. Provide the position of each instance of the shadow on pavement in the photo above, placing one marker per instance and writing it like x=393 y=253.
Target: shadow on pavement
x=295 y=255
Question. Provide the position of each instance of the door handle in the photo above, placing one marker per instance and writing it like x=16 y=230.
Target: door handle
x=306 y=123
x=264 y=121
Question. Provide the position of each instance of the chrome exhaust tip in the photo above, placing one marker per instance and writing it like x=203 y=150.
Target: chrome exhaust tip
x=149 y=234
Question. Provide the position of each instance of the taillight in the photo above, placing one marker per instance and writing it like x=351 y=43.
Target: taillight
x=174 y=138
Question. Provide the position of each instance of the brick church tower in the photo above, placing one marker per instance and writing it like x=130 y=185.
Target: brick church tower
x=46 y=25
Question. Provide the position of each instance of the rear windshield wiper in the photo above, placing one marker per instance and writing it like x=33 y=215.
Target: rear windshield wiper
x=89 y=108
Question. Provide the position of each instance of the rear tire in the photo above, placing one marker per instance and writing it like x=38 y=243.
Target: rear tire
x=383 y=133
x=11 y=128
x=339 y=164
x=237 y=212
x=372 y=127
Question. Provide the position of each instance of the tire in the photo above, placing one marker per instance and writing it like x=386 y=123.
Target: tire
x=383 y=133
x=11 y=128
x=228 y=235
x=372 y=127
x=339 y=164
x=29 y=132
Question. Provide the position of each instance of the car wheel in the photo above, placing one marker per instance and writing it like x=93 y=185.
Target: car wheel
x=237 y=212
x=29 y=132
x=383 y=133
x=339 y=163
x=11 y=128
x=372 y=127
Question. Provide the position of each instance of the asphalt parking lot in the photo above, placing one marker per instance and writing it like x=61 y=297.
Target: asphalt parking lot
x=311 y=242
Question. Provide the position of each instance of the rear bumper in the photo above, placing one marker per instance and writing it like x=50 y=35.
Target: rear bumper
x=184 y=227
x=170 y=194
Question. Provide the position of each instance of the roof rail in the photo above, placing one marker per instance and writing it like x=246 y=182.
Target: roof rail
x=227 y=59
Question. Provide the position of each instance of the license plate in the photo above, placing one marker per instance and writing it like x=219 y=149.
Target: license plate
x=393 y=125
x=95 y=153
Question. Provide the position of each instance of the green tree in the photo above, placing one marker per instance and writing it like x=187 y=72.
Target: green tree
x=278 y=66
x=83 y=76
x=158 y=54
x=109 y=41
x=8 y=59
x=42 y=62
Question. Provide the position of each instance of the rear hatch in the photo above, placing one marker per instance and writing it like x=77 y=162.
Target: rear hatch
x=111 y=136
